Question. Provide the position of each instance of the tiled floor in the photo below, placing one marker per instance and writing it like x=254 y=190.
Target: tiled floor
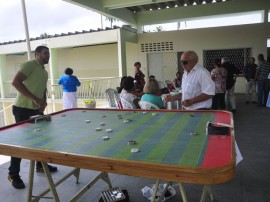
x=250 y=184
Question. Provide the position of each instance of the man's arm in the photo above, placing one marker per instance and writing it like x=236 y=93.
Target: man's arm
x=200 y=98
x=18 y=84
x=169 y=97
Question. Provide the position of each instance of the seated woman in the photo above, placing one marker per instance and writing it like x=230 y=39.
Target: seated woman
x=119 y=89
x=151 y=89
x=126 y=93
x=178 y=80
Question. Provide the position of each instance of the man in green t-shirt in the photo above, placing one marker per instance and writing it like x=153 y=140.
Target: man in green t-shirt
x=30 y=82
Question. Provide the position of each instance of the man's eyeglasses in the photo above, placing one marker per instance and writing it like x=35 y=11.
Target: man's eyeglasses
x=184 y=62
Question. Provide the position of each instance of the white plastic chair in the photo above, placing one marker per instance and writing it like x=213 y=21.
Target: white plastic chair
x=161 y=84
x=113 y=98
x=147 y=105
x=126 y=104
x=170 y=85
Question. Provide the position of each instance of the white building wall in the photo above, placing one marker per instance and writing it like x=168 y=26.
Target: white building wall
x=88 y=58
x=244 y=36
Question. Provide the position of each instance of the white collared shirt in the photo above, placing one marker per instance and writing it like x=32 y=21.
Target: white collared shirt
x=196 y=82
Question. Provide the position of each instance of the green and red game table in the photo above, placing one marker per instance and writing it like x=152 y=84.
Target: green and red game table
x=172 y=145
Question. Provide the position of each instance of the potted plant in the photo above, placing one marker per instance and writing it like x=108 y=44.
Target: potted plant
x=90 y=103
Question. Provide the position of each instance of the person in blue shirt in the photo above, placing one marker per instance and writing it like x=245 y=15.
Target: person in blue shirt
x=151 y=90
x=69 y=84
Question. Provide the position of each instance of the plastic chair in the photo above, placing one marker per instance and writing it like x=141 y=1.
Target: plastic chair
x=161 y=84
x=126 y=104
x=147 y=105
x=170 y=85
x=113 y=98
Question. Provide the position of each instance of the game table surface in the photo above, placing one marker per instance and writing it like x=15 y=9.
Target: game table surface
x=173 y=145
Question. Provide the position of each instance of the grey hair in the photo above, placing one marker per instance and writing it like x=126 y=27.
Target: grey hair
x=191 y=55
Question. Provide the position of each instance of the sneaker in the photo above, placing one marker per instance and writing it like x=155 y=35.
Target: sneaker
x=52 y=169
x=16 y=181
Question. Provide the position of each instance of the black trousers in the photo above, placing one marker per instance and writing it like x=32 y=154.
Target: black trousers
x=218 y=101
x=20 y=114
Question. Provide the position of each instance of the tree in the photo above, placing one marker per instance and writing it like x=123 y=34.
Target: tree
x=159 y=28
x=44 y=35
x=111 y=20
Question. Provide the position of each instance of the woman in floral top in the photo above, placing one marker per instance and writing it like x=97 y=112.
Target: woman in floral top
x=219 y=76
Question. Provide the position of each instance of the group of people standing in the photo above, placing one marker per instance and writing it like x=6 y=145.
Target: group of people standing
x=257 y=75
x=224 y=76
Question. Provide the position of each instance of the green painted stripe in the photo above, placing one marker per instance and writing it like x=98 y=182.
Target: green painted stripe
x=95 y=139
x=193 y=149
x=161 y=150
x=143 y=137
x=126 y=129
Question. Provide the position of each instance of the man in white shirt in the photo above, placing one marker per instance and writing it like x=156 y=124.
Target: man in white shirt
x=197 y=85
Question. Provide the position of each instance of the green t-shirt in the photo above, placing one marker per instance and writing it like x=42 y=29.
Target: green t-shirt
x=35 y=82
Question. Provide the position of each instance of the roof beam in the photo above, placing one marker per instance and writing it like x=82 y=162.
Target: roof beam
x=114 y=4
x=124 y=15
x=200 y=11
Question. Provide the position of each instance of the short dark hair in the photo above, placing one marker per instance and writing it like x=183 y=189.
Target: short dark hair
x=137 y=63
x=260 y=57
x=128 y=83
x=40 y=48
x=217 y=62
x=68 y=71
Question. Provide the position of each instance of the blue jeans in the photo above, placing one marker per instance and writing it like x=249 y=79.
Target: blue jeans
x=262 y=91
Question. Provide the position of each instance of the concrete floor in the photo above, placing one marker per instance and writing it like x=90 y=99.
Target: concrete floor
x=250 y=184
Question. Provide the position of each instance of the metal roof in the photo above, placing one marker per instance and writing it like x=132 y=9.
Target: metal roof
x=138 y=13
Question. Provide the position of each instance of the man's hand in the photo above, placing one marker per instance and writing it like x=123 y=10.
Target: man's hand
x=187 y=103
x=168 y=98
x=41 y=103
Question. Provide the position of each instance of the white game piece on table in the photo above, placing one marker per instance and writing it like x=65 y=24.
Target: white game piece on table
x=144 y=112
x=37 y=130
x=134 y=150
x=154 y=114
x=98 y=129
x=87 y=121
x=105 y=137
x=108 y=130
x=126 y=121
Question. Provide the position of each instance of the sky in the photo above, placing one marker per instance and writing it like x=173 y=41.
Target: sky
x=50 y=16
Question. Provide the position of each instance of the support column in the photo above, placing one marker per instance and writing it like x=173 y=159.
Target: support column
x=122 y=60
x=3 y=75
x=54 y=74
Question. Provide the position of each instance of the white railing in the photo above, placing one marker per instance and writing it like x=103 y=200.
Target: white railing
x=90 y=88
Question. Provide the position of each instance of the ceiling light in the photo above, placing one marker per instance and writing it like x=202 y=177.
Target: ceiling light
x=150 y=9
x=203 y=2
x=194 y=3
x=167 y=7
x=214 y=1
x=158 y=8
x=176 y=6
x=185 y=4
